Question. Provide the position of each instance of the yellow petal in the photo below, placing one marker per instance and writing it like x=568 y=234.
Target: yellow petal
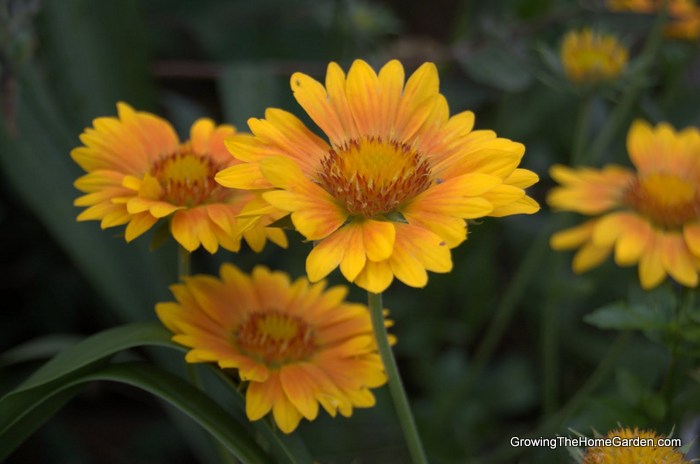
x=573 y=237
x=677 y=260
x=139 y=224
x=375 y=277
x=246 y=176
x=691 y=233
x=378 y=239
x=651 y=269
x=354 y=256
x=286 y=415
x=325 y=256
x=589 y=256
x=260 y=396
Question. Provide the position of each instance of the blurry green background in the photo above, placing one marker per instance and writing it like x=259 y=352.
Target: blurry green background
x=495 y=349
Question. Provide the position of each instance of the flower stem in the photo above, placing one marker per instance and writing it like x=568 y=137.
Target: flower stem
x=398 y=394
x=633 y=89
x=183 y=262
x=582 y=130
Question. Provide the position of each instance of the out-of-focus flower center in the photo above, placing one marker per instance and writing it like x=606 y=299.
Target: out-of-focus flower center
x=372 y=177
x=667 y=200
x=275 y=337
x=187 y=179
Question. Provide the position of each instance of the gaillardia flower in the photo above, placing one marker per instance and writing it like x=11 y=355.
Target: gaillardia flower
x=388 y=193
x=634 y=446
x=297 y=344
x=650 y=217
x=684 y=15
x=589 y=57
x=138 y=172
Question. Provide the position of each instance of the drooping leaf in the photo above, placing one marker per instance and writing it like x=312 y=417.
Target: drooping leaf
x=97 y=347
x=24 y=410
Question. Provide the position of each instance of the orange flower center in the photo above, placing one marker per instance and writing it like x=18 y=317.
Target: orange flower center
x=666 y=199
x=275 y=337
x=187 y=179
x=372 y=177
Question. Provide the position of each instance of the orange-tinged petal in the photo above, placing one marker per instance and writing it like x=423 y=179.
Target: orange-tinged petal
x=361 y=89
x=300 y=390
x=633 y=241
x=315 y=217
x=391 y=79
x=354 y=256
x=378 y=239
x=330 y=113
x=691 y=233
x=677 y=260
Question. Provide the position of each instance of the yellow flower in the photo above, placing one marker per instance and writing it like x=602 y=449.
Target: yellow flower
x=590 y=57
x=653 y=453
x=684 y=22
x=138 y=172
x=650 y=217
x=296 y=344
x=388 y=194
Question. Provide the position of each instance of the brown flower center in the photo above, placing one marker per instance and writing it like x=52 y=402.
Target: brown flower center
x=187 y=179
x=372 y=177
x=666 y=199
x=275 y=337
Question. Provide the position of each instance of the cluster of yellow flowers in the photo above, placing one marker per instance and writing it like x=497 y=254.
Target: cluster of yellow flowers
x=386 y=195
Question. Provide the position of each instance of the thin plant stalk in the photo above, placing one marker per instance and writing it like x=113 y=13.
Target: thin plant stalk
x=183 y=262
x=398 y=393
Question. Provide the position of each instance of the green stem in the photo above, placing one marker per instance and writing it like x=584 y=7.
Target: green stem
x=183 y=262
x=582 y=130
x=502 y=317
x=687 y=301
x=637 y=82
x=549 y=352
x=398 y=394
x=550 y=426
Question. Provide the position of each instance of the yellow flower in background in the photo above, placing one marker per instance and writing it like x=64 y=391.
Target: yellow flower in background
x=654 y=453
x=389 y=192
x=297 y=344
x=684 y=15
x=650 y=217
x=589 y=57
x=139 y=172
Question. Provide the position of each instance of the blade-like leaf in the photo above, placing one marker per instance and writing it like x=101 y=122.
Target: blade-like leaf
x=38 y=348
x=29 y=409
x=97 y=347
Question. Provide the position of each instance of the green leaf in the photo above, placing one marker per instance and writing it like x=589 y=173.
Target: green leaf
x=631 y=389
x=24 y=410
x=38 y=348
x=98 y=347
x=621 y=316
x=498 y=66
x=247 y=89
